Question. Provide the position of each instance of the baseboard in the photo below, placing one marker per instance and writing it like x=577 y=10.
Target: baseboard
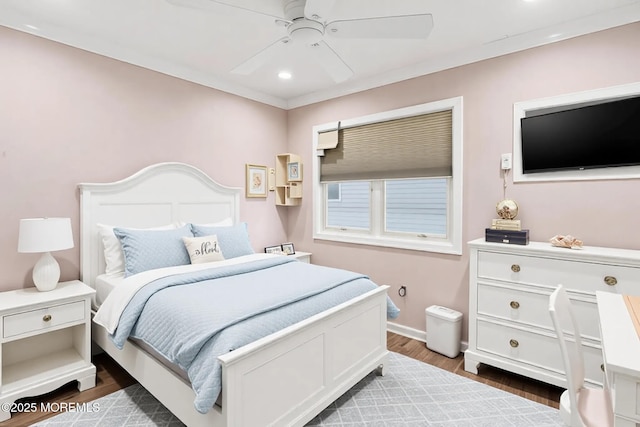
x=416 y=334
x=406 y=331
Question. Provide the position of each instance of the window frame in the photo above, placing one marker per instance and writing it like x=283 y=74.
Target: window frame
x=452 y=244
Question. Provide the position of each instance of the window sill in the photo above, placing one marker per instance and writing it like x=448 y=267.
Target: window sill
x=425 y=245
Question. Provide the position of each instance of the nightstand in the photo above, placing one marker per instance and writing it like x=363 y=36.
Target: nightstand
x=45 y=341
x=302 y=256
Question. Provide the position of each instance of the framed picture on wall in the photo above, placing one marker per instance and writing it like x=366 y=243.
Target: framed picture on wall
x=256 y=185
x=294 y=171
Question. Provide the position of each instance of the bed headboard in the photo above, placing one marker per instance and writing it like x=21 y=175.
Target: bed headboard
x=157 y=195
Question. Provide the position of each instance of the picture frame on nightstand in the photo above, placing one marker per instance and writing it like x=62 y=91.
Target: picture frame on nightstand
x=277 y=249
x=288 y=249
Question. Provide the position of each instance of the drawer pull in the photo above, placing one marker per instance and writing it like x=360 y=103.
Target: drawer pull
x=46 y=317
x=610 y=280
x=514 y=304
x=514 y=343
x=515 y=268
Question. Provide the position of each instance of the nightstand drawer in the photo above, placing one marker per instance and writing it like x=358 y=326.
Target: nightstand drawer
x=43 y=318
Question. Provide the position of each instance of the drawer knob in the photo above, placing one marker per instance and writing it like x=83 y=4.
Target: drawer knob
x=46 y=317
x=514 y=343
x=514 y=304
x=602 y=367
x=515 y=268
x=610 y=280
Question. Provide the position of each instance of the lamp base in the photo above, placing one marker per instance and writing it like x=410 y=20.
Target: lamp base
x=46 y=273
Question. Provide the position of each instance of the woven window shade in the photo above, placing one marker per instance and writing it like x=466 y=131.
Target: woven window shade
x=411 y=147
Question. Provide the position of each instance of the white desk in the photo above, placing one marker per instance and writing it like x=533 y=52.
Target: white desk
x=621 y=352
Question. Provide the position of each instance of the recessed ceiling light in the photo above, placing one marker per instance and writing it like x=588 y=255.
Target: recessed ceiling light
x=31 y=27
x=284 y=75
x=555 y=35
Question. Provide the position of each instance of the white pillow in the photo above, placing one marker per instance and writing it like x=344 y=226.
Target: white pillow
x=113 y=256
x=203 y=249
x=227 y=222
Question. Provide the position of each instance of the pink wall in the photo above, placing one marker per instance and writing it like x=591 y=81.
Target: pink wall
x=602 y=213
x=68 y=116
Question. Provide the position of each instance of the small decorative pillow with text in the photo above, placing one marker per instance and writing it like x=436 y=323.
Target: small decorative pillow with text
x=233 y=240
x=148 y=249
x=203 y=249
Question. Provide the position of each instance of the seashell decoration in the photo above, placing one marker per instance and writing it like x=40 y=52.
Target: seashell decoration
x=567 y=241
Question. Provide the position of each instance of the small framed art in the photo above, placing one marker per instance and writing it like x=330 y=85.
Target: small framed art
x=273 y=249
x=294 y=171
x=287 y=249
x=256 y=185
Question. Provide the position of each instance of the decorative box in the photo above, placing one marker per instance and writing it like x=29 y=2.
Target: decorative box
x=507 y=236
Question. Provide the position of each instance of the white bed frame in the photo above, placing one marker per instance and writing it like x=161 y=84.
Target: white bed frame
x=286 y=378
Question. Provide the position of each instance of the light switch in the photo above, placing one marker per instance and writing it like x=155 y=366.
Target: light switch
x=505 y=161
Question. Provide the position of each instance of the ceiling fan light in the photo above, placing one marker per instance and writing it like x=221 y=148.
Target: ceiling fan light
x=305 y=31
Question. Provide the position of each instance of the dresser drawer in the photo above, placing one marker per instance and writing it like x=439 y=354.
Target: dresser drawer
x=583 y=276
x=537 y=350
x=43 y=318
x=531 y=308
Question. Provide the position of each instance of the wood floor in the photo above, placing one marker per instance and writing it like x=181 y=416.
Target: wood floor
x=111 y=377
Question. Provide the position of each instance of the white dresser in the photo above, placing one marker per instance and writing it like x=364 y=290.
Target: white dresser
x=509 y=287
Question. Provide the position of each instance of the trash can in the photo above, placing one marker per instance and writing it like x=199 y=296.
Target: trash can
x=443 y=330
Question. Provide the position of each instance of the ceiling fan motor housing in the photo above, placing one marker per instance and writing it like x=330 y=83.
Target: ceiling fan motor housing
x=305 y=31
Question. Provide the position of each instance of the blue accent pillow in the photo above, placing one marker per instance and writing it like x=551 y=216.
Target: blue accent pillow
x=148 y=249
x=234 y=240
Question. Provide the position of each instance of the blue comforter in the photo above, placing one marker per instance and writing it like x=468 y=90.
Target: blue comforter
x=222 y=309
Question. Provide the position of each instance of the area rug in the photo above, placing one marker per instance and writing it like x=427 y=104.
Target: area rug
x=411 y=393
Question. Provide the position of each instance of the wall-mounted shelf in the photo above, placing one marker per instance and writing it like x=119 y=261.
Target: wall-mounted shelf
x=288 y=180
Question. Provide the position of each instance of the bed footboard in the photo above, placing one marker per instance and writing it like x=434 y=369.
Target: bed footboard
x=284 y=379
x=289 y=377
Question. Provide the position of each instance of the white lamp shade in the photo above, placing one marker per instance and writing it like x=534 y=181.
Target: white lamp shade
x=45 y=235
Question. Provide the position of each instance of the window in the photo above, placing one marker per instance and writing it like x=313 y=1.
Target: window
x=353 y=209
x=333 y=192
x=416 y=206
x=392 y=179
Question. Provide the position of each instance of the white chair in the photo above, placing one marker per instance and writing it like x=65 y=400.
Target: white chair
x=579 y=406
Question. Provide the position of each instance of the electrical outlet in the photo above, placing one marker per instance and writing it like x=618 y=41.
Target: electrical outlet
x=505 y=161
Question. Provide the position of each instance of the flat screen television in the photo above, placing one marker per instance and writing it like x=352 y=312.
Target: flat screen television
x=588 y=137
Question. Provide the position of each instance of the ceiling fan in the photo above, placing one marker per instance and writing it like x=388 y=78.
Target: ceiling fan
x=309 y=23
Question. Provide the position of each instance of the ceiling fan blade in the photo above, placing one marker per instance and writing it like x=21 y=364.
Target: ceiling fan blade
x=390 y=27
x=260 y=58
x=331 y=62
x=213 y=5
x=318 y=10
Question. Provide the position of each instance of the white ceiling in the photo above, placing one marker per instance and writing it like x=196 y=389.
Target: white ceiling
x=204 y=43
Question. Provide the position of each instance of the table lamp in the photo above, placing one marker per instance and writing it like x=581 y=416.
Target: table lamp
x=45 y=235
